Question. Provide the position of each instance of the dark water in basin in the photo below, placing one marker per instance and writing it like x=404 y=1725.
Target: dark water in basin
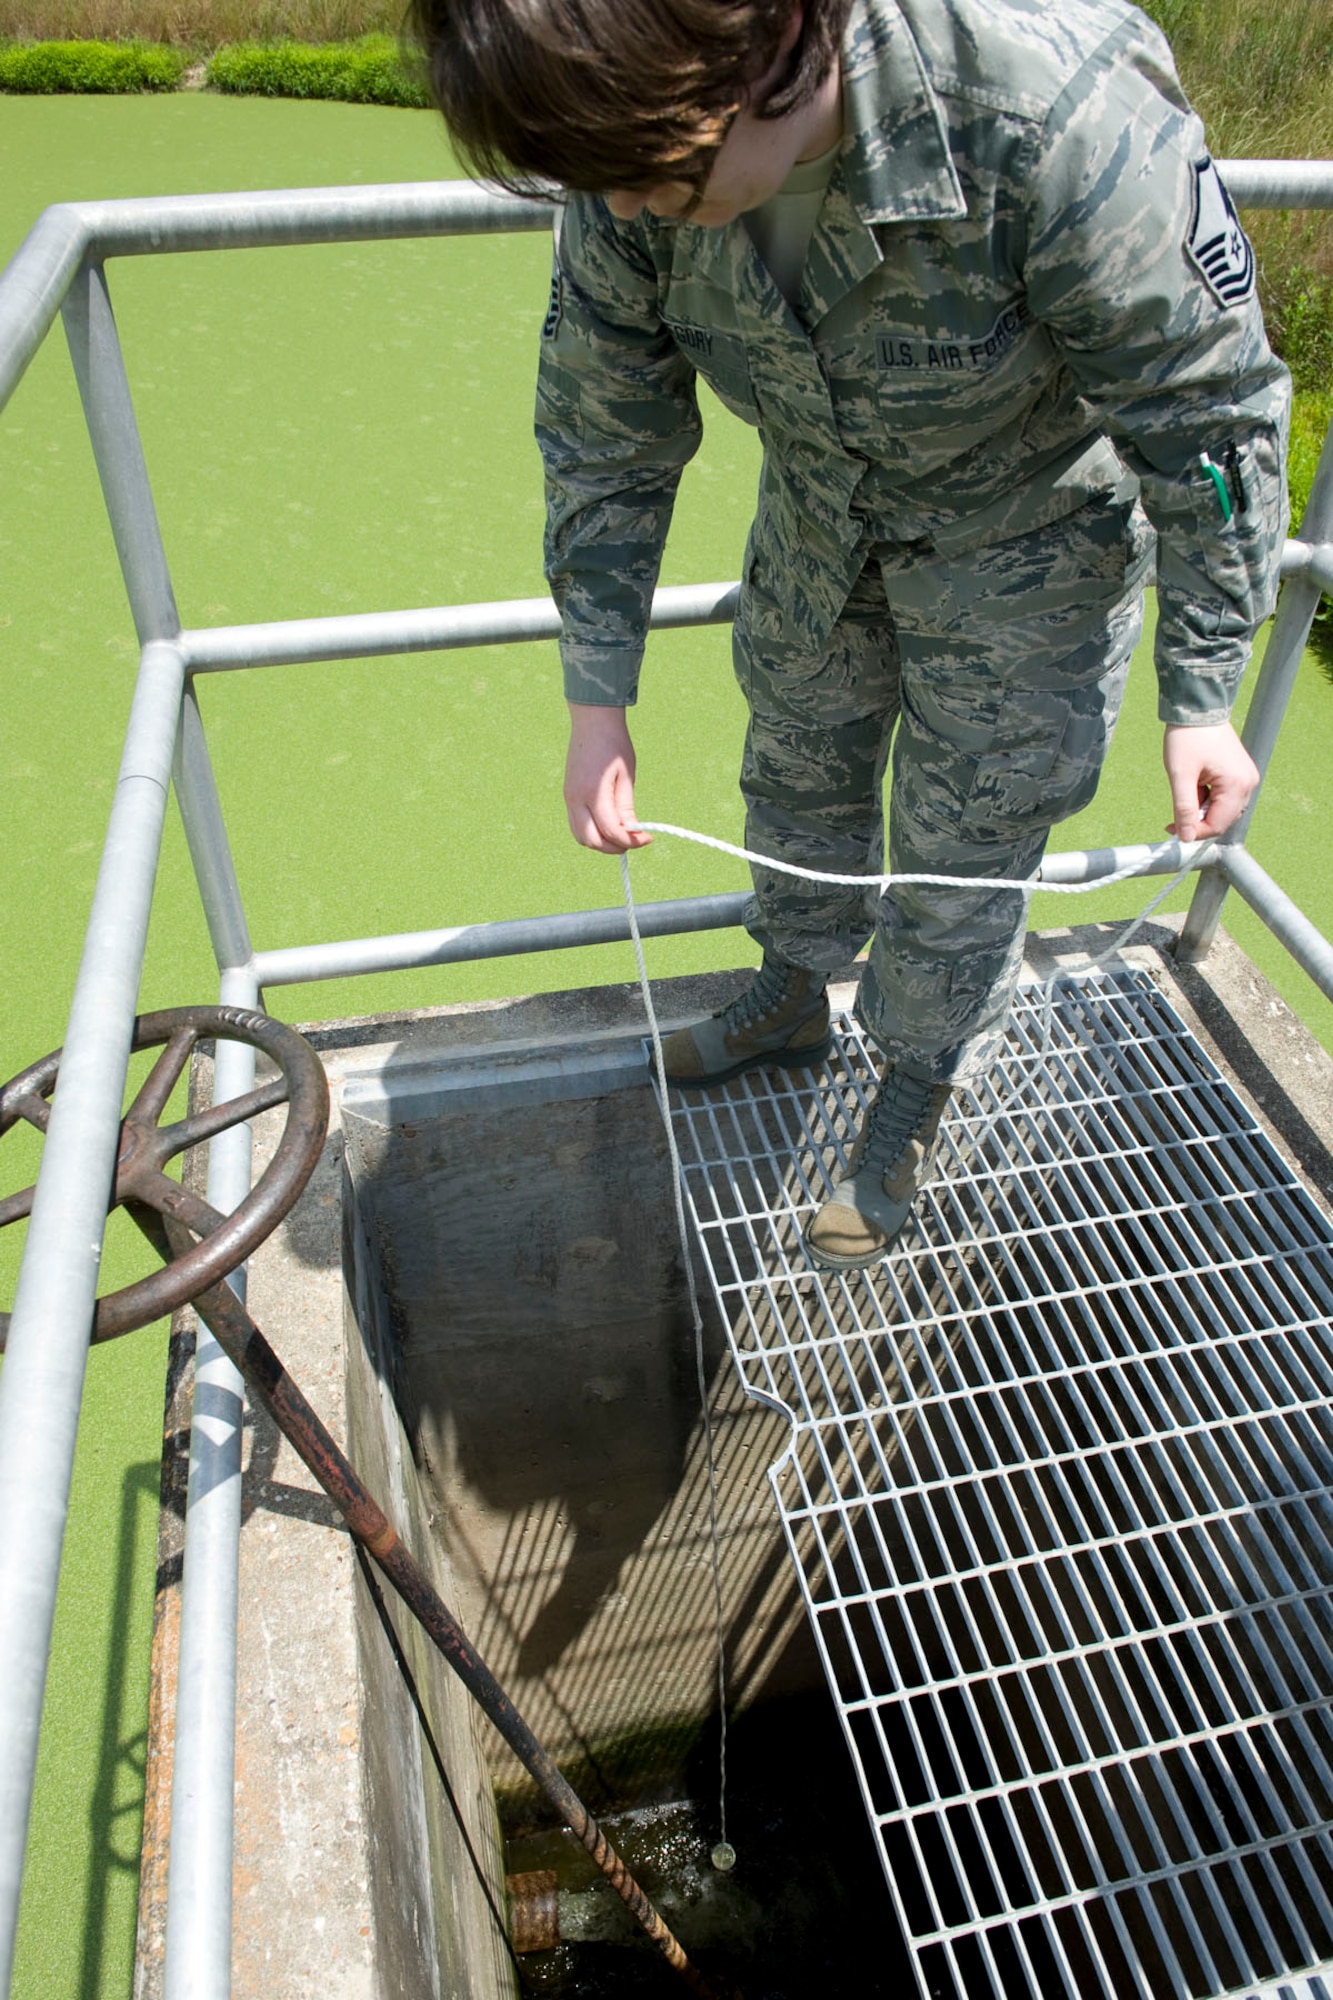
x=805 y=1914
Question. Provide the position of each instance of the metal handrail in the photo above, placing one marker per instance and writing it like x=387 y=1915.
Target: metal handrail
x=59 y=269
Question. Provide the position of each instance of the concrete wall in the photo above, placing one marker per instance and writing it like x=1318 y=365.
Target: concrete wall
x=435 y=1861
x=517 y=1196
x=488 y=1247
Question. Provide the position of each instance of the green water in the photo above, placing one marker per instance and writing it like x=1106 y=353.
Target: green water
x=332 y=430
x=804 y=1912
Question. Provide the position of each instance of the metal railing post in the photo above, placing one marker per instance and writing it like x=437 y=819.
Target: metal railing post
x=206 y=837
x=99 y=367
x=199 y=1889
x=1277 y=677
x=48 y=1343
x=199 y=1875
x=199 y=1882
x=41 y=1385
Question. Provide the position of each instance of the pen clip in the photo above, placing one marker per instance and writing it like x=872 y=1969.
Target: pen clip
x=1236 y=478
x=1219 y=485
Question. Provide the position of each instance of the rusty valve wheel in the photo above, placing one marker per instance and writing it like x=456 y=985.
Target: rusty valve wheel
x=142 y=1187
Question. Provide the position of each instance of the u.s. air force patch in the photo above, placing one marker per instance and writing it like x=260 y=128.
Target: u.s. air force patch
x=1216 y=241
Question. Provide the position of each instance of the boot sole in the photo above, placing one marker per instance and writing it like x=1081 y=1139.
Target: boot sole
x=818 y=1052
x=826 y=1260
x=834 y=1260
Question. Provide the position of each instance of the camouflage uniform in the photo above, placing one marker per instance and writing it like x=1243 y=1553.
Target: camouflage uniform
x=1026 y=311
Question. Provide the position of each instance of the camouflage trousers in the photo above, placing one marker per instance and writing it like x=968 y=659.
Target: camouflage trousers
x=994 y=681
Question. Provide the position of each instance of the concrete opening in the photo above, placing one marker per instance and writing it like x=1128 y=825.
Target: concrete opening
x=482 y=1291
x=523 y=1384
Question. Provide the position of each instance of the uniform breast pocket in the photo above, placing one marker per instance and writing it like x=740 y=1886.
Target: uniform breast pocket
x=720 y=358
x=919 y=381
x=967 y=385
x=934 y=404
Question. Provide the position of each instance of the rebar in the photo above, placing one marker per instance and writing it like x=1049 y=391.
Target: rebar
x=237 y=1334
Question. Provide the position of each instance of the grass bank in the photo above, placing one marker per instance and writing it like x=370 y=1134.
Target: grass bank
x=197 y=25
x=372 y=70
x=1260 y=73
x=89 y=69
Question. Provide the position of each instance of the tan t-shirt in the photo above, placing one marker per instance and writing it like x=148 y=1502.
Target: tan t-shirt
x=781 y=227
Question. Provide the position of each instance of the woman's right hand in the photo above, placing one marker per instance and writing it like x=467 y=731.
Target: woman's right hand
x=599 y=780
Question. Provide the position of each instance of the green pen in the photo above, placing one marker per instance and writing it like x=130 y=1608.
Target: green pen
x=1219 y=483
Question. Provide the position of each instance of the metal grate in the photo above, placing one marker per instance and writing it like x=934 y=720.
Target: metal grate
x=1058 y=1494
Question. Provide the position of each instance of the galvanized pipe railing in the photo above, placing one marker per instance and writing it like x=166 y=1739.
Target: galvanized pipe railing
x=42 y=1381
x=1305 y=563
x=42 y=269
x=467 y=942
x=59 y=266
x=513 y=621
x=1289 y=924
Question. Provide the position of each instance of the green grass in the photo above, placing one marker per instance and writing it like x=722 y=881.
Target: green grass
x=374 y=69
x=198 y=25
x=1257 y=71
x=1260 y=74
x=328 y=430
x=89 y=68
x=369 y=71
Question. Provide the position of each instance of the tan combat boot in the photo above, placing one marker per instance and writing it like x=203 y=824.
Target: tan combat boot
x=893 y=1155
x=781 y=1019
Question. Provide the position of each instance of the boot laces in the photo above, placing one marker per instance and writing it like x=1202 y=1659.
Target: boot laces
x=766 y=991
x=895 y=1119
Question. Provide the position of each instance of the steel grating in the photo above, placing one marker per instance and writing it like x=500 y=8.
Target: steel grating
x=1058 y=1495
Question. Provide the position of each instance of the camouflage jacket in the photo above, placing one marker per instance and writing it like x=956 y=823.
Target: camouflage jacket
x=1027 y=287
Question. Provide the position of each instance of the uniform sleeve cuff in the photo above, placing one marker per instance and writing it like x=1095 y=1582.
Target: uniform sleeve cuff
x=1198 y=674
x=601 y=676
x=1182 y=716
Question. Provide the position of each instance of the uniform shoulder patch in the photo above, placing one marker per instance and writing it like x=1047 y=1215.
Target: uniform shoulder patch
x=554 y=306
x=1216 y=242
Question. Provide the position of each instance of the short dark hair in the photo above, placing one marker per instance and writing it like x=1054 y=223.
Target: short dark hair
x=603 y=94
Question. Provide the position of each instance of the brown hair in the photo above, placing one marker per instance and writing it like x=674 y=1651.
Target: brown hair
x=603 y=94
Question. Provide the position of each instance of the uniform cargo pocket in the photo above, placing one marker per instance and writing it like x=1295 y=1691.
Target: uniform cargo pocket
x=1050 y=742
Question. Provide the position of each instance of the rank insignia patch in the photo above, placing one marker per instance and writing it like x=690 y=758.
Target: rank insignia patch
x=554 y=308
x=1216 y=242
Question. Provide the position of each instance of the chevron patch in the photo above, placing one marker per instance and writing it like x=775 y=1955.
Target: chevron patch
x=554 y=309
x=1216 y=242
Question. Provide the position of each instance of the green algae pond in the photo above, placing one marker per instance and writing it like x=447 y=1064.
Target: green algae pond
x=328 y=430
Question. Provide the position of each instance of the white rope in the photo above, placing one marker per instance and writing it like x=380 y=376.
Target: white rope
x=1026 y=885
x=723 y=1854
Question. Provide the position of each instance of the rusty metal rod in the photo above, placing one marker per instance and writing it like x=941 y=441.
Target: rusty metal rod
x=241 y=1339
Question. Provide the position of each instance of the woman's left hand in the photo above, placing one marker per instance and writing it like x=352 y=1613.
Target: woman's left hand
x=1212 y=777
